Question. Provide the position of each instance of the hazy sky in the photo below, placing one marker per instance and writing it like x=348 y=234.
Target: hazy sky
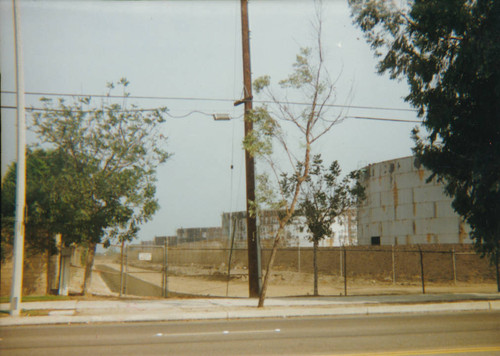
x=183 y=50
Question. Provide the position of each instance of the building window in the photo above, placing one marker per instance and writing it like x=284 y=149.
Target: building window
x=375 y=240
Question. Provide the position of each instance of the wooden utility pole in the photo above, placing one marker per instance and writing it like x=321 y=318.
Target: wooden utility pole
x=254 y=275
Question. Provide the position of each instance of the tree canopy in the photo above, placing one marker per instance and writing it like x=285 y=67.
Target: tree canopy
x=41 y=222
x=104 y=187
x=112 y=151
x=449 y=52
x=324 y=199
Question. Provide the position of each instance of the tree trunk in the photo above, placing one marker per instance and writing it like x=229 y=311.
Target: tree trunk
x=284 y=221
x=89 y=264
x=269 y=268
x=315 y=265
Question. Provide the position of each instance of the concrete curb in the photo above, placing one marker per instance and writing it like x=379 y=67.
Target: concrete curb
x=244 y=312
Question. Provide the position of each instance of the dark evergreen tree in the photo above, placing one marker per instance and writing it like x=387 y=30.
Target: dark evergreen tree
x=449 y=52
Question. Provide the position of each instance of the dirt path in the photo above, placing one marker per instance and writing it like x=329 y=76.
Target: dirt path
x=97 y=285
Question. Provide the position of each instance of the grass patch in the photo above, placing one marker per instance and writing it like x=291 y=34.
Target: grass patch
x=4 y=313
x=41 y=312
x=37 y=312
x=36 y=298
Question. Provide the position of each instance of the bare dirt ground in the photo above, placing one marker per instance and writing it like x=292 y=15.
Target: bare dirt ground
x=202 y=282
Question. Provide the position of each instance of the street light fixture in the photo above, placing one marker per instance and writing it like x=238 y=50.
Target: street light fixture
x=221 y=117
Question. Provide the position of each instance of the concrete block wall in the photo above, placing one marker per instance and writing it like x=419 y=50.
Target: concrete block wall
x=34 y=274
x=403 y=208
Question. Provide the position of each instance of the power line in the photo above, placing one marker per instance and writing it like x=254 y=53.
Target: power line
x=381 y=119
x=30 y=108
x=121 y=96
x=124 y=110
x=208 y=114
x=139 y=97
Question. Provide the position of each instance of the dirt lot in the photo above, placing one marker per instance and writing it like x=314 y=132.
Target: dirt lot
x=202 y=270
x=203 y=282
x=301 y=284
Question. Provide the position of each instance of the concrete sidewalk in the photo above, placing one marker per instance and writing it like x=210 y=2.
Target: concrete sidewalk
x=137 y=310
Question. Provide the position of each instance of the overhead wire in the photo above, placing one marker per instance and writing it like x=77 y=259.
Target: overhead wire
x=31 y=108
x=140 y=97
x=208 y=114
x=123 y=110
x=173 y=98
x=206 y=99
x=382 y=119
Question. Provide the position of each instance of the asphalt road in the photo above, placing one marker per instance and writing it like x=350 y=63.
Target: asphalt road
x=453 y=333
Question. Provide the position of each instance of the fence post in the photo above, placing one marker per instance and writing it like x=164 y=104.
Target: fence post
x=163 y=263
x=126 y=270
x=496 y=256
x=422 y=276
x=121 y=268
x=393 y=266
x=454 y=261
x=165 y=269
x=341 y=262
x=345 y=271
x=298 y=247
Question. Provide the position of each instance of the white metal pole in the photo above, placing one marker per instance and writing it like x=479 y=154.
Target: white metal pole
x=18 y=253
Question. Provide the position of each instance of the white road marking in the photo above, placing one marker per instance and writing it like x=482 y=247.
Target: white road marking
x=224 y=332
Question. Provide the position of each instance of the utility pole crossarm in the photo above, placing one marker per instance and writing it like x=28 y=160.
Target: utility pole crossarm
x=243 y=101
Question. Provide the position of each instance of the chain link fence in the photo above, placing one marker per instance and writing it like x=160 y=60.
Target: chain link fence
x=201 y=269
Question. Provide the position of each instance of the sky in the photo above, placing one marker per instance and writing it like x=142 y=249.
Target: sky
x=188 y=53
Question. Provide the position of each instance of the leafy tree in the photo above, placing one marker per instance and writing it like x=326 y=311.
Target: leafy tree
x=108 y=181
x=310 y=82
x=43 y=220
x=324 y=198
x=40 y=224
x=449 y=52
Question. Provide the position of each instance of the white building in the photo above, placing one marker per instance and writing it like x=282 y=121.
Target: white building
x=402 y=208
x=296 y=231
x=267 y=226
